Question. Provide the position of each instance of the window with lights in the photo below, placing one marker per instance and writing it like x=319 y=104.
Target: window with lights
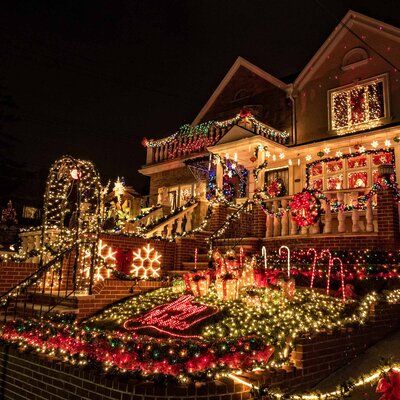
x=358 y=107
x=354 y=171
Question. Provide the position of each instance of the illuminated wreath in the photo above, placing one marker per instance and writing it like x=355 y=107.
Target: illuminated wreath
x=305 y=208
x=276 y=188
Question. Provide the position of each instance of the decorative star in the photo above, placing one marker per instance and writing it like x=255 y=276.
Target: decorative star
x=375 y=144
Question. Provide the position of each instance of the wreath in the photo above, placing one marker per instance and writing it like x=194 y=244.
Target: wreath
x=305 y=208
x=276 y=188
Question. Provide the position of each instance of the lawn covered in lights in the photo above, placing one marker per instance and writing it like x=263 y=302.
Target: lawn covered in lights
x=261 y=312
x=257 y=330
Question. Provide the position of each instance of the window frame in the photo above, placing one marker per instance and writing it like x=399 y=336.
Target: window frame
x=346 y=170
x=384 y=78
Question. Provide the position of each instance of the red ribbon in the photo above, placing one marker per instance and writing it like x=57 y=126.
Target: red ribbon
x=389 y=386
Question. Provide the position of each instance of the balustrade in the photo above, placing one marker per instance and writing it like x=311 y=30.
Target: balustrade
x=181 y=145
x=180 y=223
x=341 y=218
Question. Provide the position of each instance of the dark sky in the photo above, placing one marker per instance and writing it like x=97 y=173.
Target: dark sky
x=92 y=78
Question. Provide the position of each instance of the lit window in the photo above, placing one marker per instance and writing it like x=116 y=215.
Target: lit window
x=358 y=107
x=358 y=179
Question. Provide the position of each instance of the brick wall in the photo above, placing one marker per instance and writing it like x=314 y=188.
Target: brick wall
x=125 y=243
x=109 y=291
x=178 y=176
x=317 y=357
x=28 y=376
x=13 y=273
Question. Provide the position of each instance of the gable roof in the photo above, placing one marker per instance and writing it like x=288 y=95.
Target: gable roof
x=240 y=62
x=351 y=19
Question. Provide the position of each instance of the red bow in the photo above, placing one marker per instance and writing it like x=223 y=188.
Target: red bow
x=389 y=386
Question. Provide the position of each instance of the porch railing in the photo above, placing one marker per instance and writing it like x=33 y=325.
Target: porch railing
x=182 y=146
x=176 y=224
x=334 y=220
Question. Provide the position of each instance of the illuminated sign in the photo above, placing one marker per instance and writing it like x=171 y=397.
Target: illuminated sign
x=178 y=318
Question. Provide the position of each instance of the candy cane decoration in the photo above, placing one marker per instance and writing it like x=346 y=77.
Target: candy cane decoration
x=341 y=275
x=264 y=254
x=314 y=264
x=328 y=275
x=195 y=258
x=288 y=258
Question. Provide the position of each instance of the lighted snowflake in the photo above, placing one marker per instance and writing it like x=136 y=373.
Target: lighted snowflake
x=388 y=143
x=327 y=150
x=375 y=144
x=308 y=157
x=108 y=259
x=146 y=265
x=362 y=149
x=268 y=154
x=339 y=154
x=282 y=156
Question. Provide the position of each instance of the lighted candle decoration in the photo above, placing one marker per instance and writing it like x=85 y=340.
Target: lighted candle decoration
x=328 y=274
x=264 y=254
x=341 y=275
x=288 y=258
x=314 y=265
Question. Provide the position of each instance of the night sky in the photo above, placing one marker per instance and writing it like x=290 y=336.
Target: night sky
x=92 y=78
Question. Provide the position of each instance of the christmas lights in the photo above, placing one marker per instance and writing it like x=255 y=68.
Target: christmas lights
x=146 y=265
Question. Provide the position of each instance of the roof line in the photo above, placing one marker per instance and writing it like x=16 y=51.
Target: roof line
x=348 y=20
x=240 y=62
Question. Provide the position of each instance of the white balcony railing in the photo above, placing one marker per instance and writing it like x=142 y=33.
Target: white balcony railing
x=335 y=220
x=179 y=223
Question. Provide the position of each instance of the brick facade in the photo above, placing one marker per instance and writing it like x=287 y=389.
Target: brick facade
x=174 y=177
x=110 y=291
x=13 y=273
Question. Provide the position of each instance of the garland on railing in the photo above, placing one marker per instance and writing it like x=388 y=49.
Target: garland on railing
x=203 y=129
x=229 y=219
x=35 y=277
x=359 y=203
x=387 y=376
x=174 y=236
x=145 y=213
x=145 y=229
x=257 y=170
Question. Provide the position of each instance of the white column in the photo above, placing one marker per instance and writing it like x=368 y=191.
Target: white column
x=219 y=175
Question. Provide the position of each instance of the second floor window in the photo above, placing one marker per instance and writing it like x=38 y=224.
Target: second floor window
x=358 y=107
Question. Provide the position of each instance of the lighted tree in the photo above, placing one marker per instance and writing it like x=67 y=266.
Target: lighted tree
x=146 y=264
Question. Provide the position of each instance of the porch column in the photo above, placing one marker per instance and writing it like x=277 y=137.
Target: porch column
x=251 y=182
x=219 y=175
x=261 y=174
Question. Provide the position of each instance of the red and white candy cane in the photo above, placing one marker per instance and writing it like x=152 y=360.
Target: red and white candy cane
x=341 y=275
x=314 y=265
x=328 y=275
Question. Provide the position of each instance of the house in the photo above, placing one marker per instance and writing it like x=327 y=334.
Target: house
x=330 y=129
